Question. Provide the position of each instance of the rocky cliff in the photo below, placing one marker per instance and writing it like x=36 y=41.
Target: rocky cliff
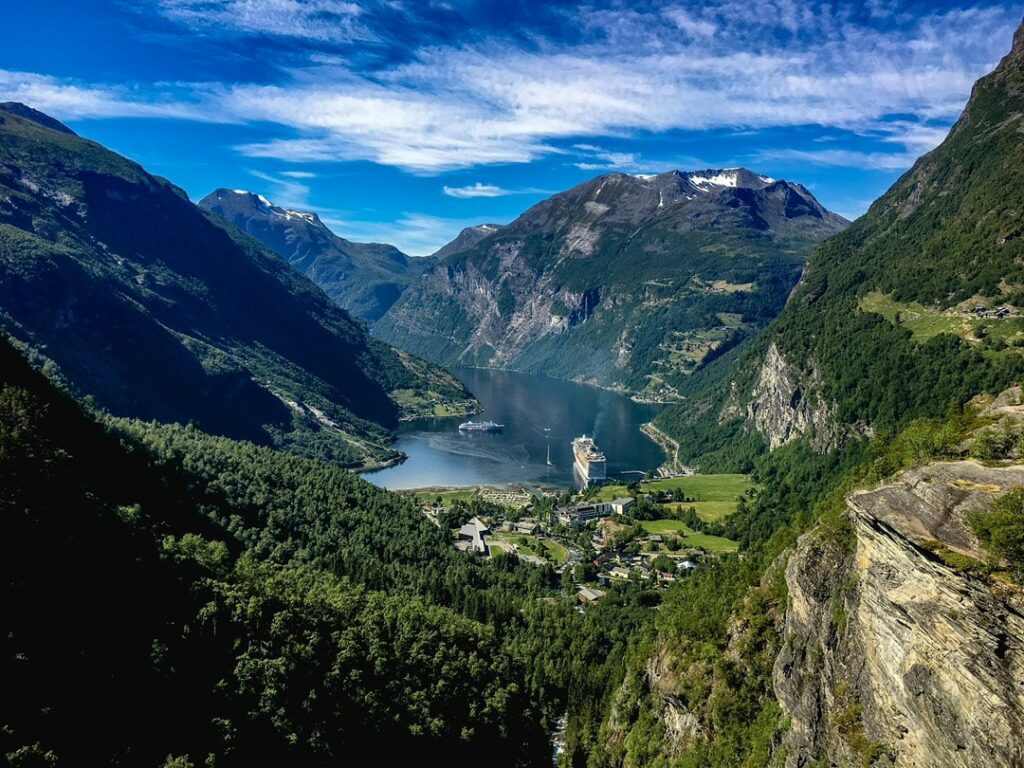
x=894 y=651
x=783 y=407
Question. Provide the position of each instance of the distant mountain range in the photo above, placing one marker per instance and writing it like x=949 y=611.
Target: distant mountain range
x=631 y=282
x=363 y=278
x=115 y=282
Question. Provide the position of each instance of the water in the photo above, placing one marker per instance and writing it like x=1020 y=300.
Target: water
x=440 y=455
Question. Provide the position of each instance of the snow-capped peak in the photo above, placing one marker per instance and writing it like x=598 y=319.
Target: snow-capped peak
x=727 y=177
x=304 y=215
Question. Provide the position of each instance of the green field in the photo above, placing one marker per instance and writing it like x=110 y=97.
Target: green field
x=708 y=511
x=536 y=547
x=704 y=487
x=689 y=537
x=447 y=497
x=715 y=495
x=558 y=553
x=925 y=323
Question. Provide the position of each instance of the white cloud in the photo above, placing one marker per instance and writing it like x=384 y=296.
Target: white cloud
x=685 y=22
x=332 y=21
x=601 y=159
x=298 y=174
x=70 y=100
x=476 y=190
x=876 y=161
x=449 y=107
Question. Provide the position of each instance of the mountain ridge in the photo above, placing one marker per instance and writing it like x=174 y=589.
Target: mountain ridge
x=584 y=284
x=160 y=311
x=467 y=238
x=362 y=278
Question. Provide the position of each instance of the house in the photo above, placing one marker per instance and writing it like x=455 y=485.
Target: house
x=473 y=536
x=618 y=572
x=688 y=565
x=527 y=527
x=589 y=596
x=655 y=538
x=619 y=506
x=603 y=558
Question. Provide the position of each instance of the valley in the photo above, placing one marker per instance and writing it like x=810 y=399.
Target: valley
x=675 y=469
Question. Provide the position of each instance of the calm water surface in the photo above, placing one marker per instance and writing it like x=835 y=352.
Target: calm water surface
x=527 y=405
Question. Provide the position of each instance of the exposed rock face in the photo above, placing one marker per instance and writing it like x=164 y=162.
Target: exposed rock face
x=782 y=407
x=890 y=654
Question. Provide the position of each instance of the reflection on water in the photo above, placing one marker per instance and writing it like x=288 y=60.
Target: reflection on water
x=538 y=413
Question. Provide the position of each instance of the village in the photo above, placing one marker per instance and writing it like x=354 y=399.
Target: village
x=650 y=533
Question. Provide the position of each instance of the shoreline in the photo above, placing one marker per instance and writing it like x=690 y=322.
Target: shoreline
x=671 y=465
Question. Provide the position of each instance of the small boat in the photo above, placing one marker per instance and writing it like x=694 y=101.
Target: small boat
x=480 y=426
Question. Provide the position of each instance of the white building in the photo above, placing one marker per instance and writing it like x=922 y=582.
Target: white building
x=473 y=536
x=619 y=506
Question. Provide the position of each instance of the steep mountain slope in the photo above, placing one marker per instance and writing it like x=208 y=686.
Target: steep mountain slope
x=160 y=311
x=919 y=303
x=625 y=281
x=465 y=240
x=890 y=633
x=195 y=583
x=363 y=278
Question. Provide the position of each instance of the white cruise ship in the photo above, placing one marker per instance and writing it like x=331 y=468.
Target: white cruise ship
x=590 y=462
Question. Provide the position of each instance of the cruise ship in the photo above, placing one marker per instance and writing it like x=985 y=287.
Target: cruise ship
x=590 y=462
x=480 y=426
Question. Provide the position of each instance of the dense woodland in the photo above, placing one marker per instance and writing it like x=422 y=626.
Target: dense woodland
x=236 y=602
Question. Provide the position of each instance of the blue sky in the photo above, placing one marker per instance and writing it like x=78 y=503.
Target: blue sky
x=402 y=121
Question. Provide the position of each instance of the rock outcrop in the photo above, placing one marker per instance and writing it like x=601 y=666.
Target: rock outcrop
x=783 y=406
x=893 y=656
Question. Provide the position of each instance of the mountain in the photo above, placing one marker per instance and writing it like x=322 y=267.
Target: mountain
x=465 y=240
x=363 y=278
x=918 y=304
x=158 y=310
x=625 y=281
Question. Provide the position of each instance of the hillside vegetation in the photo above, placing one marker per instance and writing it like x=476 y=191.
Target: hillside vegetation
x=158 y=311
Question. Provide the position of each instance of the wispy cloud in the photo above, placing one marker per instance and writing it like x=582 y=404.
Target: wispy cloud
x=616 y=72
x=320 y=20
x=876 y=161
x=601 y=159
x=476 y=190
x=688 y=23
x=285 y=192
x=299 y=174
x=479 y=189
x=71 y=100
